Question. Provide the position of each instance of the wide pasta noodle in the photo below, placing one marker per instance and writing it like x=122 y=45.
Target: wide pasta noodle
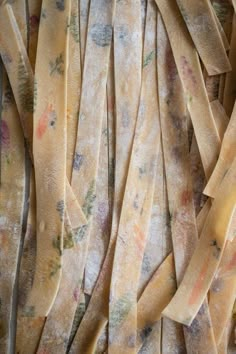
x=195 y=284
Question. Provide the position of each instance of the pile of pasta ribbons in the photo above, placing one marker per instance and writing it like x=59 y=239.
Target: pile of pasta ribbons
x=118 y=176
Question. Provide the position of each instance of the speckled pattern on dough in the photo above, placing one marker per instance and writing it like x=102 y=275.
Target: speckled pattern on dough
x=117 y=176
